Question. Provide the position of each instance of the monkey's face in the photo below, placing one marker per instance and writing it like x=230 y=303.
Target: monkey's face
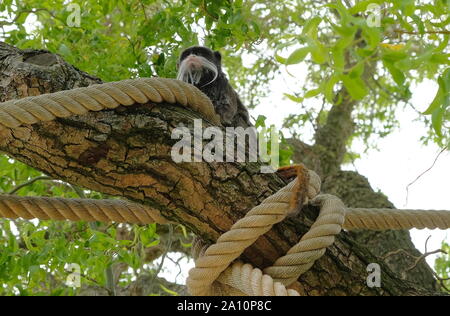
x=199 y=66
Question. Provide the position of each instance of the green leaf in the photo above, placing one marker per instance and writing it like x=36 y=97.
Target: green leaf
x=437 y=119
x=280 y=59
x=329 y=88
x=408 y=7
x=396 y=73
x=293 y=98
x=298 y=56
x=442 y=98
x=338 y=58
x=313 y=93
x=357 y=70
x=419 y=23
x=372 y=35
x=311 y=27
x=437 y=102
x=338 y=51
x=355 y=87
x=168 y=291
x=319 y=53
x=343 y=12
x=152 y=244
x=260 y=121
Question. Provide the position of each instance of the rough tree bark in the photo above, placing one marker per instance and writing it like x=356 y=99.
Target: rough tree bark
x=126 y=152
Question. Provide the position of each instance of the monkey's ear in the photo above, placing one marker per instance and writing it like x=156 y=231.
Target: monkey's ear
x=218 y=56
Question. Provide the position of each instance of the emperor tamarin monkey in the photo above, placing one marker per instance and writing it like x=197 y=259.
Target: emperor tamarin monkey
x=202 y=67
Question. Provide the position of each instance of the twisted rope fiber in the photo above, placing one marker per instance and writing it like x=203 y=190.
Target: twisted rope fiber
x=119 y=211
x=243 y=279
x=218 y=257
x=384 y=219
x=312 y=246
x=43 y=208
x=97 y=97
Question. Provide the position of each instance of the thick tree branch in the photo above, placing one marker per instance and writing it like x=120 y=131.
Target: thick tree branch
x=331 y=139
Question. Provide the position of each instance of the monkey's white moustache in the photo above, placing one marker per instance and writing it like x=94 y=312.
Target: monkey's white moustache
x=193 y=75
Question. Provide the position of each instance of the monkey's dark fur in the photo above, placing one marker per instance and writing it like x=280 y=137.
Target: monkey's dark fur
x=225 y=99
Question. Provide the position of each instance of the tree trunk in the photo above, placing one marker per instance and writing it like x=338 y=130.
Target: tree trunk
x=126 y=152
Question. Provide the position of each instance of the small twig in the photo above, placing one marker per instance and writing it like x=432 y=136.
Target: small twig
x=110 y=281
x=205 y=10
x=396 y=252
x=30 y=182
x=418 y=259
x=93 y=281
x=423 y=173
x=424 y=256
x=442 y=281
x=316 y=122
x=78 y=191
x=387 y=92
x=426 y=243
x=169 y=246
x=177 y=263
x=143 y=9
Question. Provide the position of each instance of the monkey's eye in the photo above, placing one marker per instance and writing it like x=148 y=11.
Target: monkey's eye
x=184 y=55
x=206 y=53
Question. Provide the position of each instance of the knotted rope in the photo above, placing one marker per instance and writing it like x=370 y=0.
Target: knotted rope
x=216 y=260
x=215 y=272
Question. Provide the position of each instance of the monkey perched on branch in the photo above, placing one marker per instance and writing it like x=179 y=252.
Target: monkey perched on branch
x=202 y=67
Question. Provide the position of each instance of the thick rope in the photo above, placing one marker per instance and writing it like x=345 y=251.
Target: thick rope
x=313 y=244
x=117 y=211
x=106 y=211
x=384 y=219
x=218 y=257
x=213 y=274
x=79 y=101
x=249 y=281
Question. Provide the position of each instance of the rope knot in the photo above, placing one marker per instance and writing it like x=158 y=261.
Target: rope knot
x=215 y=265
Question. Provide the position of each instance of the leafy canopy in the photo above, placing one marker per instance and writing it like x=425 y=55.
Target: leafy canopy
x=375 y=49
